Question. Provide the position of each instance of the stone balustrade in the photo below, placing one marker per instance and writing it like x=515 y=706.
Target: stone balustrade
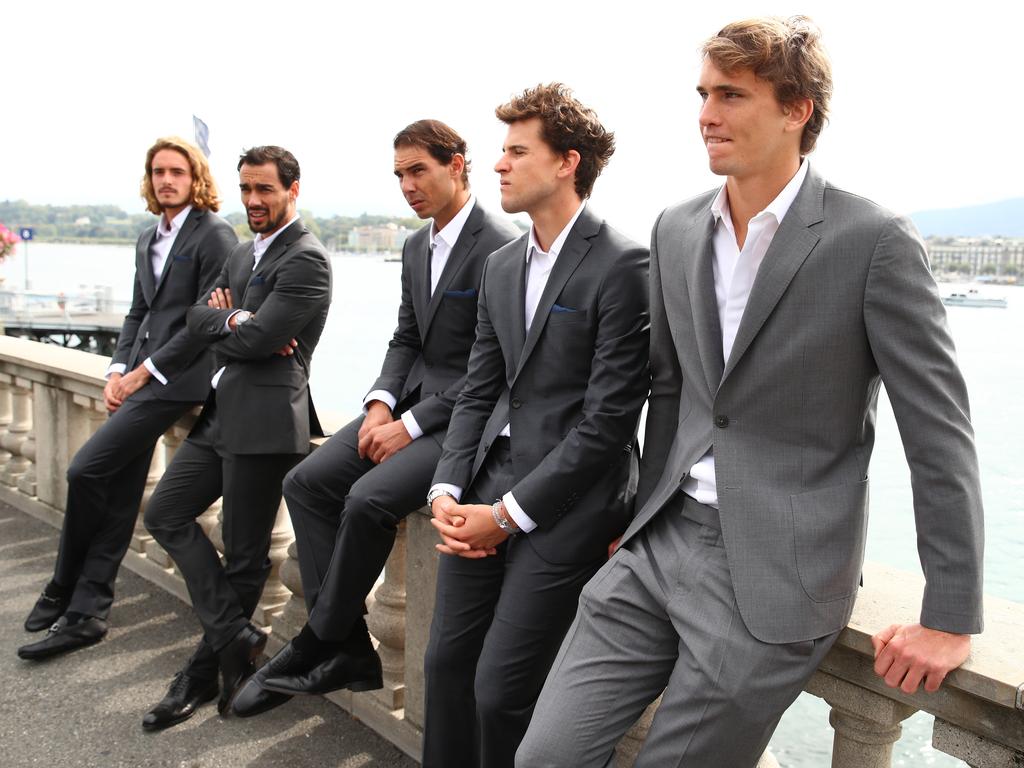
x=51 y=400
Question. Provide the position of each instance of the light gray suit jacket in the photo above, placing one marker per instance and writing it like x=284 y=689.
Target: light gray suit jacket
x=843 y=302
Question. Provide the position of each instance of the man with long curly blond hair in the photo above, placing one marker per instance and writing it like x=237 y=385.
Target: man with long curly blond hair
x=158 y=372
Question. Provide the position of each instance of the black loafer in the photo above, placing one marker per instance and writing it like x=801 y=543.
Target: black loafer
x=254 y=698
x=64 y=637
x=45 y=612
x=183 y=698
x=237 y=662
x=355 y=672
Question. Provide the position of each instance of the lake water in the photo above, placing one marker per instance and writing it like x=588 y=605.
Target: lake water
x=990 y=346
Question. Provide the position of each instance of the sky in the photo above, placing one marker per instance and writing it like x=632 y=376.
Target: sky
x=927 y=111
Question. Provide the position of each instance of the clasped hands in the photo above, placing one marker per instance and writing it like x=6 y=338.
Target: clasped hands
x=220 y=298
x=120 y=387
x=907 y=654
x=381 y=435
x=466 y=530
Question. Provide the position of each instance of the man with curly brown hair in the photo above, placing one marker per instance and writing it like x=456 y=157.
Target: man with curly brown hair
x=158 y=372
x=538 y=469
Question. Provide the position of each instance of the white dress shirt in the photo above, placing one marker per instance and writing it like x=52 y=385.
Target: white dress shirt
x=735 y=269
x=159 y=250
x=540 y=264
x=441 y=244
x=259 y=247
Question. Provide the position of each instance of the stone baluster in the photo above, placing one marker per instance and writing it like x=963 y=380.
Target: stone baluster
x=386 y=621
x=275 y=593
x=866 y=724
x=293 y=616
x=421 y=578
x=5 y=418
x=17 y=431
x=27 y=482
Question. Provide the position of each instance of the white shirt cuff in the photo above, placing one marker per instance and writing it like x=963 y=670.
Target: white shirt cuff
x=115 y=368
x=148 y=362
x=384 y=396
x=454 y=490
x=411 y=426
x=227 y=321
x=523 y=520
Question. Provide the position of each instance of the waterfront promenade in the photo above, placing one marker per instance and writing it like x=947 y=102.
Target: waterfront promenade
x=51 y=400
x=85 y=708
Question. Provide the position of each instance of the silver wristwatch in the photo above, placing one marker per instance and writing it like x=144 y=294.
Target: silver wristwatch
x=435 y=493
x=502 y=522
x=242 y=316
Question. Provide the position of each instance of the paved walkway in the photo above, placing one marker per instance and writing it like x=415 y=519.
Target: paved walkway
x=85 y=708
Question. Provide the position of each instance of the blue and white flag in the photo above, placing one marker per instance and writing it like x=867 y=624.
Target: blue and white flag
x=202 y=135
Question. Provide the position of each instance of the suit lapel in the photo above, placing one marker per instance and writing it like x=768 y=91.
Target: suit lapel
x=519 y=304
x=419 y=275
x=459 y=253
x=274 y=252
x=576 y=247
x=700 y=283
x=188 y=229
x=144 y=264
x=791 y=245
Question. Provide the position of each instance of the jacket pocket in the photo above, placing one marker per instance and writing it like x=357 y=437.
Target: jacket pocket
x=829 y=530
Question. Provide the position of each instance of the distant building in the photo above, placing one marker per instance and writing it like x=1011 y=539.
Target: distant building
x=388 y=237
x=996 y=257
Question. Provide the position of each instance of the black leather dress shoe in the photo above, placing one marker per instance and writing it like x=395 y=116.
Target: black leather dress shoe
x=237 y=662
x=45 y=612
x=183 y=698
x=253 y=698
x=355 y=672
x=64 y=637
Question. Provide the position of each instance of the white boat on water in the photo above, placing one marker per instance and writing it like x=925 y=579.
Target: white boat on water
x=973 y=299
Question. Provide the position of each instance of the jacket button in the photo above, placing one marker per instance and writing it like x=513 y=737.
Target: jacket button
x=721 y=421
x=515 y=402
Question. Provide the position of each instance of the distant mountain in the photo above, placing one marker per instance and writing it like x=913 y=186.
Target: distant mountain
x=1005 y=218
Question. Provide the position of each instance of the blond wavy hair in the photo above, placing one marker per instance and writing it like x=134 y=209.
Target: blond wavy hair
x=204 y=190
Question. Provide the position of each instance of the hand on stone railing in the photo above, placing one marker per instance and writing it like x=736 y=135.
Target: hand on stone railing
x=907 y=654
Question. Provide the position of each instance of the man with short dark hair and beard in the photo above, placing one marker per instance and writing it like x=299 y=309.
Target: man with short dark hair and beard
x=779 y=305
x=539 y=465
x=347 y=498
x=159 y=372
x=262 y=320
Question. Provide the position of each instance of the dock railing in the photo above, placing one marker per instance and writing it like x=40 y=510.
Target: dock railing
x=51 y=401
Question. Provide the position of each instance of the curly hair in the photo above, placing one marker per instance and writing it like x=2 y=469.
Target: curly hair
x=439 y=140
x=288 y=170
x=789 y=54
x=204 y=194
x=566 y=124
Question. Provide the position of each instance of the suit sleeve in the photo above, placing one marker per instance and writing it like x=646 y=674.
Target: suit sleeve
x=301 y=290
x=405 y=345
x=484 y=383
x=178 y=353
x=912 y=346
x=132 y=320
x=618 y=385
x=666 y=386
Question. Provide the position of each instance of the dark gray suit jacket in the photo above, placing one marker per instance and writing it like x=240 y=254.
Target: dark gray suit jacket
x=843 y=302
x=263 y=401
x=425 y=366
x=155 y=325
x=572 y=388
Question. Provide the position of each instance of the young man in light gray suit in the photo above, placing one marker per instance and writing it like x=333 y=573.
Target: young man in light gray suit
x=159 y=372
x=538 y=469
x=779 y=304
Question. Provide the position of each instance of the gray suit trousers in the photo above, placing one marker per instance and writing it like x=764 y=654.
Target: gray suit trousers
x=661 y=615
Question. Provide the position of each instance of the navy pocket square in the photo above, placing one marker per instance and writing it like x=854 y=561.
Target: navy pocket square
x=560 y=308
x=466 y=294
x=257 y=280
x=182 y=257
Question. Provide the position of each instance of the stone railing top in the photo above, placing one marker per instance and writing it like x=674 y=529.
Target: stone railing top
x=52 y=359
x=994 y=672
